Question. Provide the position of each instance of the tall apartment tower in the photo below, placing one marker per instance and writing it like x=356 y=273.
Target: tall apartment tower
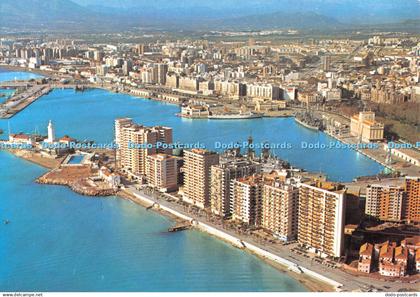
x=135 y=143
x=321 y=218
x=385 y=202
x=246 y=195
x=412 y=187
x=172 y=80
x=162 y=172
x=280 y=210
x=141 y=49
x=162 y=70
x=127 y=67
x=197 y=176
x=222 y=176
x=165 y=136
x=326 y=63
x=120 y=139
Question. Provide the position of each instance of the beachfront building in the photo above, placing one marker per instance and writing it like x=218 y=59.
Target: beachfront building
x=412 y=187
x=120 y=138
x=222 y=176
x=366 y=128
x=113 y=179
x=246 y=195
x=265 y=200
x=321 y=218
x=164 y=140
x=162 y=172
x=197 y=176
x=385 y=202
x=135 y=143
x=21 y=139
x=279 y=209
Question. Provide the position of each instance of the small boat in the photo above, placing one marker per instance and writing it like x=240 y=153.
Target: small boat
x=6 y=222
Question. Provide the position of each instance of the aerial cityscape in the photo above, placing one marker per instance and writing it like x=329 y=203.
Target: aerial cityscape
x=198 y=146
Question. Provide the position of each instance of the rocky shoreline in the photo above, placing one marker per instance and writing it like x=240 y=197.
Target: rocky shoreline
x=79 y=186
x=80 y=179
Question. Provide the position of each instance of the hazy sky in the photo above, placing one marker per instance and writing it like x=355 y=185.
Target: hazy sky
x=343 y=10
x=239 y=3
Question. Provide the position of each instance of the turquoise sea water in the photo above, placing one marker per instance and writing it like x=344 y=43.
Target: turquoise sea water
x=5 y=94
x=6 y=75
x=91 y=114
x=60 y=241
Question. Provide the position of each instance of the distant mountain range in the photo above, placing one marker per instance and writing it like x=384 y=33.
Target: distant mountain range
x=106 y=15
x=29 y=13
x=345 y=11
x=298 y=20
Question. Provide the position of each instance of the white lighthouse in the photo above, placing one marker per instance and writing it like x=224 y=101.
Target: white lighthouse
x=51 y=133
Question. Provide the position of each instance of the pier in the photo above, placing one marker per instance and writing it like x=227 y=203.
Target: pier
x=180 y=226
x=21 y=100
x=14 y=84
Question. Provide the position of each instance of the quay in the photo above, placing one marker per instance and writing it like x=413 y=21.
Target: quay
x=20 y=101
x=370 y=156
x=14 y=84
x=32 y=92
x=398 y=165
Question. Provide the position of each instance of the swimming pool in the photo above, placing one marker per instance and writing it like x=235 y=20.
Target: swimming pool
x=75 y=159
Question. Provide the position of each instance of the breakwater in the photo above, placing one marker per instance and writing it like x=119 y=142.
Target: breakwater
x=78 y=179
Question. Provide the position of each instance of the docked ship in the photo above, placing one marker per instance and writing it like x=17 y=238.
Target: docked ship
x=235 y=116
x=307 y=120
